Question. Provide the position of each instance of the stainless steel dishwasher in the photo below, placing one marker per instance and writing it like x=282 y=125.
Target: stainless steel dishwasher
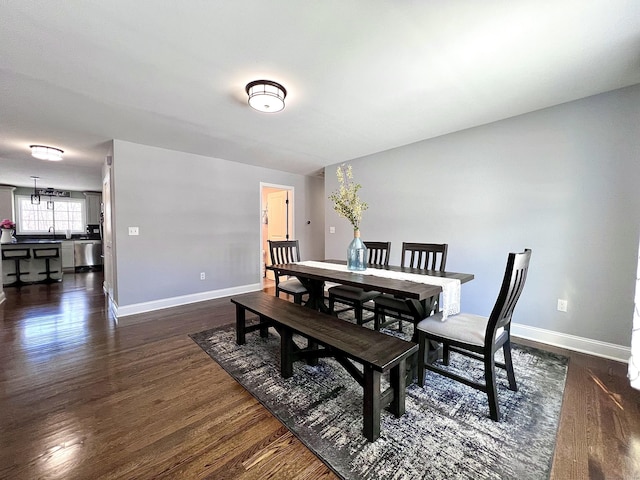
x=87 y=254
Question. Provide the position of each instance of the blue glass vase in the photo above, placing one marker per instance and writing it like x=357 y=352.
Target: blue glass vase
x=356 y=253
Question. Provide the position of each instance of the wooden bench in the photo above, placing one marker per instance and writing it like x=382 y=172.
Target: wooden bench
x=329 y=336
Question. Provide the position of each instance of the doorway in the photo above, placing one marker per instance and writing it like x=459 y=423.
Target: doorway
x=276 y=218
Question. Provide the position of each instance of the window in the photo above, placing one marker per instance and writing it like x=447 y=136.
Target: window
x=66 y=214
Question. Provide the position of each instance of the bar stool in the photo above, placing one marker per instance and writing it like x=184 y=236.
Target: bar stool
x=16 y=254
x=47 y=254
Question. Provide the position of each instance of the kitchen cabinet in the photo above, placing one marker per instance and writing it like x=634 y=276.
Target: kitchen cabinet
x=93 y=206
x=68 y=255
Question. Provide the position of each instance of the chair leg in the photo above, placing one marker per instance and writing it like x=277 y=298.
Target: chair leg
x=377 y=315
x=492 y=390
x=506 y=349
x=445 y=353
x=297 y=298
x=332 y=304
x=422 y=344
x=400 y=326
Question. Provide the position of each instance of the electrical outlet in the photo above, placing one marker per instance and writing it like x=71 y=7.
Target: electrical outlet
x=202 y=275
x=134 y=231
x=332 y=229
x=562 y=305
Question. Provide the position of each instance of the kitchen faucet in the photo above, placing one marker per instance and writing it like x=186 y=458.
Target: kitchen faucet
x=54 y=231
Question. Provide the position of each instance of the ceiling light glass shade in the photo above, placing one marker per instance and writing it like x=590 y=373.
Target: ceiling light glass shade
x=46 y=153
x=266 y=96
x=35 y=198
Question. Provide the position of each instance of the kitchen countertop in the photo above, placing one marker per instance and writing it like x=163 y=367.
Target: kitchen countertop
x=57 y=239
x=51 y=241
x=34 y=242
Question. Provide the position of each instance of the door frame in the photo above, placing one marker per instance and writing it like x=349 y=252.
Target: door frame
x=292 y=204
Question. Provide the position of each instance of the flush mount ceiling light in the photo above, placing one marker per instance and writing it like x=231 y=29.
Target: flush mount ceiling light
x=46 y=153
x=266 y=96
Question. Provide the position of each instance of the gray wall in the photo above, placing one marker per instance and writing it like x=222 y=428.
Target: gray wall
x=196 y=214
x=562 y=181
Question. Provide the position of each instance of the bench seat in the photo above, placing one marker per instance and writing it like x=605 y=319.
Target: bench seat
x=329 y=336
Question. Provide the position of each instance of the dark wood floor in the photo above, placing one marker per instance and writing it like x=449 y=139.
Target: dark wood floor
x=83 y=398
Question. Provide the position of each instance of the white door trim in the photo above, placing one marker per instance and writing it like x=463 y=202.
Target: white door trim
x=292 y=203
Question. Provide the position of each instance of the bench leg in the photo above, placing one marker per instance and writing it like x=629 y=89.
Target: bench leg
x=312 y=345
x=264 y=329
x=371 y=403
x=286 y=353
x=240 y=324
x=398 y=380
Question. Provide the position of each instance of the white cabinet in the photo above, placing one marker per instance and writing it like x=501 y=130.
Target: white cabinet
x=93 y=206
x=67 y=253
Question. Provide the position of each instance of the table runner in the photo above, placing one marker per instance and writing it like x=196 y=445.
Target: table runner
x=450 y=286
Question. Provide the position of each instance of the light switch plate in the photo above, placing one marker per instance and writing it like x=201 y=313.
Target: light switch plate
x=134 y=231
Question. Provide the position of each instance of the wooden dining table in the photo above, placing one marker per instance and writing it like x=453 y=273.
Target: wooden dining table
x=420 y=297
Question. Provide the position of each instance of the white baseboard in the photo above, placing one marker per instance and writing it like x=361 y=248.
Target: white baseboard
x=3 y=297
x=113 y=307
x=127 y=310
x=571 y=342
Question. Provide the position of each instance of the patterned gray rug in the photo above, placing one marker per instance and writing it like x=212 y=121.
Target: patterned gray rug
x=445 y=433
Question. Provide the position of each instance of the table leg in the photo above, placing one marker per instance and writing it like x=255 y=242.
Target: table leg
x=315 y=289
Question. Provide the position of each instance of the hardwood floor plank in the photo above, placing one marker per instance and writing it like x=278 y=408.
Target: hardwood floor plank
x=82 y=397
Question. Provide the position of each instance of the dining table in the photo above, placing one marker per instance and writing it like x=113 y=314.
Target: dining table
x=420 y=297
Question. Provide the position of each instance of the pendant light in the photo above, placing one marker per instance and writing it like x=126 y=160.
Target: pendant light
x=35 y=198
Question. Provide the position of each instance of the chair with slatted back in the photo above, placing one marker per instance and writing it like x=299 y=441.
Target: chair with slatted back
x=286 y=251
x=377 y=254
x=479 y=337
x=422 y=256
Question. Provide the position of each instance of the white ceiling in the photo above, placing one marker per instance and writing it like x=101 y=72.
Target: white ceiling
x=362 y=76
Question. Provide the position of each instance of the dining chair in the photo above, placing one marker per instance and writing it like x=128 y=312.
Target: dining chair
x=423 y=256
x=377 y=254
x=286 y=251
x=477 y=336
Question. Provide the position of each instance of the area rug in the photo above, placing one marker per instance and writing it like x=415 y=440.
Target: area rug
x=445 y=433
